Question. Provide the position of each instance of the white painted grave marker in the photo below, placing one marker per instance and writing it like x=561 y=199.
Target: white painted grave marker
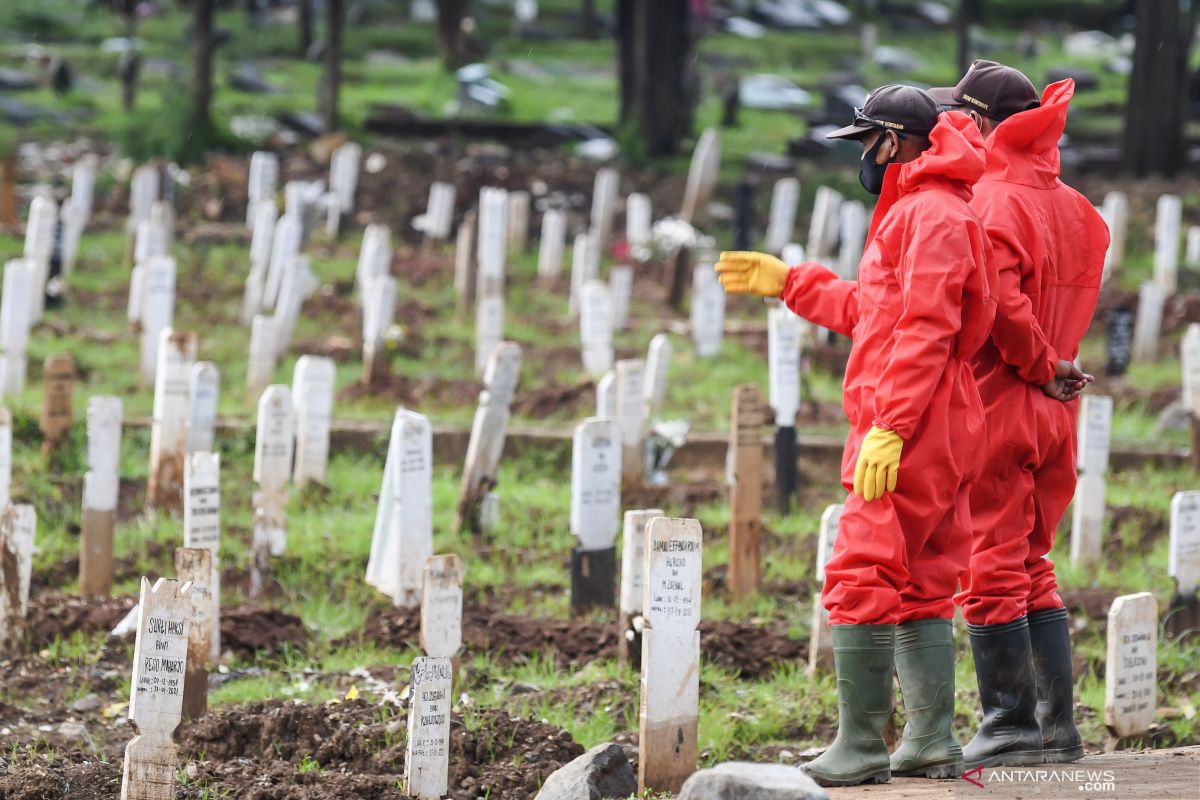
x=606 y=400
x=157 y=311
x=1167 y=222
x=822 y=229
x=702 y=174
x=596 y=328
x=784 y=330
x=374 y=257
x=15 y=321
x=604 y=202
x=658 y=368
x=1087 y=519
x=194 y=565
x=202 y=530
x=781 y=223
x=708 y=310
x=1148 y=325
x=18 y=530
x=1189 y=358
x=260 y=366
x=620 y=288
x=518 y=221
x=272 y=466
x=553 y=241
x=427 y=754
x=441 y=606
x=101 y=491
x=852 y=234
x=638 y=217
x=493 y=241
x=1131 y=665
x=168 y=433
x=1184 y=545
x=629 y=411
x=489 y=329
x=379 y=311
x=263 y=184
x=1116 y=214
x=488 y=431
x=596 y=483
x=1095 y=427
x=204 y=393
x=670 y=686
x=439 y=211
x=312 y=394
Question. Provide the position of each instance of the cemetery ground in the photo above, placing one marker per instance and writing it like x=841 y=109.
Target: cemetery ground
x=310 y=695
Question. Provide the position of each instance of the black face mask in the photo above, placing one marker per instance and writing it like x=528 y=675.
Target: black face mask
x=870 y=174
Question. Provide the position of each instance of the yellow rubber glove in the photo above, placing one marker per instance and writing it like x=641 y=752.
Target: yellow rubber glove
x=878 y=464
x=752 y=273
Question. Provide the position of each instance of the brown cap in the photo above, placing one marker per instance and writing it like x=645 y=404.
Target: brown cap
x=904 y=109
x=992 y=89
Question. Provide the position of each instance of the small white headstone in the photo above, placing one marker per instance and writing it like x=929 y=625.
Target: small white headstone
x=403 y=536
x=492 y=246
x=272 y=467
x=441 y=606
x=638 y=217
x=202 y=529
x=157 y=311
x=1148 y=325
x=263 y=184
x=285 y=246
x=831 y=517
x=785 y=200
x=633 y=558
x=702 y=174
x=427 y=754
x=606 y=400
x=6 y=436
x=822 y=229
x=343 y=174
x=1131 y=664
x=1189 y=357
x=1184 y=546
x=596 y=483
x=1095 y=429
x=439 y=211
x=518 y=221
x=604 y=201
x=658 y=369
x=312 y=394
x=620 y=287
x=553 y=241
x=204 y=393
x=596 y=328
x=102 y=482
x=261 y=363
x=374 y=257
x=784 y=331
x=489 y=329
x=1116 y=213
x=15 y=321
x=852 y=233
x=1167 y=222
x=585 y=266
x=168 y=433
x=1191 y=252
x=1087 y=519
x=670 y=686
x=708 y=311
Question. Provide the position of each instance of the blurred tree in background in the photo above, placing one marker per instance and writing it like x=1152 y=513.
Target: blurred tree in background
x=1156 y=112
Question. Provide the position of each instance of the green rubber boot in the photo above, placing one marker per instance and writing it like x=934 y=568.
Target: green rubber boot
x=925 y=666
x=863 y=656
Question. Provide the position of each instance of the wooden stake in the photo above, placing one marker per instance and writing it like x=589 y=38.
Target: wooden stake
x=745 y=495
x=58 y=378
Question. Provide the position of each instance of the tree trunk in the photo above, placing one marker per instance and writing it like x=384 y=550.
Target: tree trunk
x=306 y=26
x=1156 y=111
x=203 y=12
x=129 y=66
x=968 y=13
x=332 y=79
x=654 y=46
x=450 y=15
x=587 y=18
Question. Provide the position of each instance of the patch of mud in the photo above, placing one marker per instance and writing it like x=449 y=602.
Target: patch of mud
x=44 y=777
x=752 y=651
x=414 y=392
x=420 y=267
x=249 y=629
x=549 y=400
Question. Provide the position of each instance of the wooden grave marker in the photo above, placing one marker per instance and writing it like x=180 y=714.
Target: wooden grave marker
x=633 y=566
x=670 y=685
x=552 y=244
x=202 y=529
x=195 y=565
x=518 y=222
x=204 y=394
x=15 y=321
x=427 y=754
x=1183 y=562
x=629 y=377
x=18 y=532
x=101 y=492
x=402 y=540
x=488 y=431
x=781 y=220
x=58 y=380
x=441 y=606
x=820 y=638
x=465 y=268
x=312 y=393
x=160 y=654
x=168 y=433
x=1131 y=666
x=595 y=511
x=745 y=493
x=596 y=328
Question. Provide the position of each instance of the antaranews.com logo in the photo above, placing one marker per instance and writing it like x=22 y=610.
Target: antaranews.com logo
x=1151 y=775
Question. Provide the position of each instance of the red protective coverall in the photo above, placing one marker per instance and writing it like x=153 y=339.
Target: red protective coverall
x=1048 y=246
x=919 y=311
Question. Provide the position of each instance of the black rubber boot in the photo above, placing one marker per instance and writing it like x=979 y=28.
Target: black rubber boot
x=864 y=658
x=1049 y=633
x=925 y=666
x=1009 y=735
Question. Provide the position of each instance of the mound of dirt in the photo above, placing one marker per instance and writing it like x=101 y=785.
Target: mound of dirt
x=248 y=629
x=750 y=650
x=255 y=752
x=47 y=778
x=57 y=615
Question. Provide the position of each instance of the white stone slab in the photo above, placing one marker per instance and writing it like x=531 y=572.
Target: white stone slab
x=157 y=311
x=822 y=229
x=638 y=219
x=852 y=234
x=708 y=311
x=312 y=393
x=489 y=329
x=658 y=370
x=1189 y=357
x=702 y=174
x=831 y=517
x=1087 y=519
x=1147 y=328
x=273 y=447
x=784 y=335
x=263 y=184
x=492 y=245
x=620 y=288
x=518 y=221
x=604 y=203
x=15 y=320
x=1168 y=220
x=1131 y=664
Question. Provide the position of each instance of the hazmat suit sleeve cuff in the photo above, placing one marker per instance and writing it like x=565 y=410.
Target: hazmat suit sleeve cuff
x=817 y=294
x=1042 y=370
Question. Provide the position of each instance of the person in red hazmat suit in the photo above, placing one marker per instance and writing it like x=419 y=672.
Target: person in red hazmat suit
x=1048 y=246
x=919 y=310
